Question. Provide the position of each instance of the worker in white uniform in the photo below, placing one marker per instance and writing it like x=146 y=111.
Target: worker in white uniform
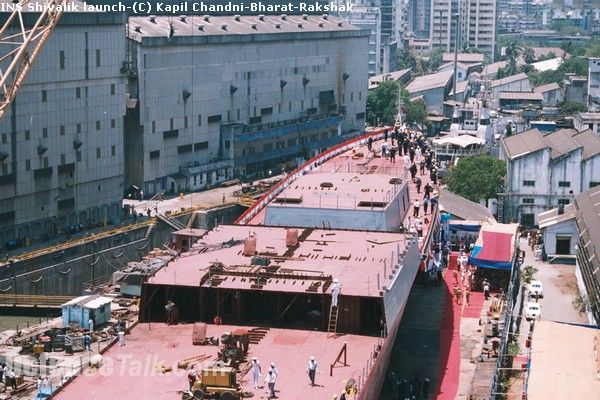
x=121 y=335
x=312 y=370
x=335 y=292
x=91 y=324
x=270 y=381
x=256 y=373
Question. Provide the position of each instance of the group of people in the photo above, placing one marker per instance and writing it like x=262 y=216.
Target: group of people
x=8 y=376
x=462 y=288
x=408 y=390
x=272 y=373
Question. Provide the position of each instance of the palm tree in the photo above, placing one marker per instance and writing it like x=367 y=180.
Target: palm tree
x=528 y=54
x=513 y=51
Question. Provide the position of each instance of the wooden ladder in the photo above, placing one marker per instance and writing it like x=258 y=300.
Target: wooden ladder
x=333 y=318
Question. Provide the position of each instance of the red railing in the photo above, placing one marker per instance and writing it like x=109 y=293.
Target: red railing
x=316 y=160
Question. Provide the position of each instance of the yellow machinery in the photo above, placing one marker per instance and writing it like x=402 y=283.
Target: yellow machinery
x=220 y=381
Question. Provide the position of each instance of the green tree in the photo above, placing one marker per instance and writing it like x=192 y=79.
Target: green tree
x=435 y=59
x=382 y=103
x=528 y=54
x=513 y=52
x=406 y=58
x=477 y=177
x=570 y=108
x=529 y=272
x=585 y=304
x=508 y=129
x=416 y=112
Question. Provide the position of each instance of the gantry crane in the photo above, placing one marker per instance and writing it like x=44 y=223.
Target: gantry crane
x=20 y=45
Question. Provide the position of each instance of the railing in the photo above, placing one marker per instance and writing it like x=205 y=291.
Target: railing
x=33 y=300
x=343 y=352
x=371 y=360
x=307 y=166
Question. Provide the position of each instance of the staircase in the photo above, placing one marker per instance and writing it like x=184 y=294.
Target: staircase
x=256 y=334
x=173 y=223
x=149 y=231
x=333 y=318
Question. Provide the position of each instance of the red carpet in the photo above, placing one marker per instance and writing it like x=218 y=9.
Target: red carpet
x=449 y=345
x=473 y=310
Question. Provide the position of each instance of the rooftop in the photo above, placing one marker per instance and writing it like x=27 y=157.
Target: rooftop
x=548 y=65
x=552 y=217
x=431 y=81
x=520 y=96
x=202 y=26
x=560 y=143
x=459 y=65
x=319 y=256
x=463 y=57
x=562 y=367
x=131 y=373
x=546 y=88
x=492 y=69
x=390 y=76
x=463 y=208
x=589 y=116
x=509 y=79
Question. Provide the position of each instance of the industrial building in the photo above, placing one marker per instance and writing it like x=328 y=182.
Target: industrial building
x=224 y=97
x=61 y=143
x=545 y=171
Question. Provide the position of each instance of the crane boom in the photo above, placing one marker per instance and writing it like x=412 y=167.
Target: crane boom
x=20 y=46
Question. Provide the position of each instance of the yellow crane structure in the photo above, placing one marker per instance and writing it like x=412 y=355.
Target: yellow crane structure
x=20 y=45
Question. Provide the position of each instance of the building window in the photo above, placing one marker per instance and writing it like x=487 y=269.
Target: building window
x=528 y=183
x=78 y=128
x=112 y=89
x=4 y=139
x=172 y=124
x=78 y=156
x=238 y=114
x=77 y=92
x=199 y=120
x=563 y=202
x=227 y=144
x=528 y=201
x=594 y=184
x=185 y=121
x=62 y=130
x=201 y=146
x=359 y=96
x=44 y=96
x=113 y=150
x=46 y=162
x=113 y=123
x=4 y=169
x=564 y=184
x=97 y=125
x=45 y=132
x=98 y=154
x=351 y=96
x=97 y=57
x=63 y=159
x=27 y=135
x=154 y=154
x=62 y=59
x=27 y=165
x=153 y=126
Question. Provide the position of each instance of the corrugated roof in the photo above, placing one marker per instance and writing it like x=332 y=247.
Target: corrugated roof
x=589 y=115
x=546 y=88
x=552 y=217
x=523 y=143
x=152 y=26
x=509 y=79
x=560 y=142
x=463 y=208
x=431 y=81
x=520 y=96
x=463 y=57
x=492 y=69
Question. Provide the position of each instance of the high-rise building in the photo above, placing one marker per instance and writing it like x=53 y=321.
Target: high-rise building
x=419 y=18
x=594 y=84
x=369 y=18
x=475 y=21
x=61 y=147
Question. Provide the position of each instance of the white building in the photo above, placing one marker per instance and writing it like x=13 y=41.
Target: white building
x=476 y=28
x=61 y=147
x=594 y=84
x=551 y=93
x=544 y=171
x=369 y=18
x=587 y=120
x=221 y=97
x=434 y=88
x=559 y=231
x=514 y=83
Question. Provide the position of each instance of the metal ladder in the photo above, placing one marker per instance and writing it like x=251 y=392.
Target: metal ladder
x=333 y=318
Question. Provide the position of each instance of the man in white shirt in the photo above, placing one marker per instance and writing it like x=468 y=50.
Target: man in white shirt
x=336 y=288
x=312 y=370
x=256 y=372
x=270 y=381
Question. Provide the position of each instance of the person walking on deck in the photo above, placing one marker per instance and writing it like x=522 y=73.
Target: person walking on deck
x=413 y=171
x=416 y=207
x=418 y=183
x=312 y=370
x=270 y=380
x=370 y=143
x=393 y=154
x=256 y=372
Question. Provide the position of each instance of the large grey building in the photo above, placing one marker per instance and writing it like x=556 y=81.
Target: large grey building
x=61 y=148
x=544 y=171
x=223 y=97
